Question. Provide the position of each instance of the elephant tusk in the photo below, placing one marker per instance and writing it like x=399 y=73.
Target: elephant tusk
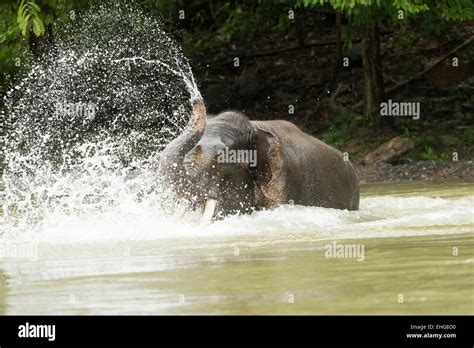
x=208 y=212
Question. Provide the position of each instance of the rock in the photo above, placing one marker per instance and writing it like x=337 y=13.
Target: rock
x=389 y=151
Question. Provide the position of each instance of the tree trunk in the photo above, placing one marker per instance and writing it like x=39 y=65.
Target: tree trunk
x=373 y=77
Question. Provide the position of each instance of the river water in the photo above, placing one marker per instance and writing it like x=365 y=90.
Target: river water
x=412 y=253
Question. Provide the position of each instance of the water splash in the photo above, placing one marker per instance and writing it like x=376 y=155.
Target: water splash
x=85 y=125
x=187 y=76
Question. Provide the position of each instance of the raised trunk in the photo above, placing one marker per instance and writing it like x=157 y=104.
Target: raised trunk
x=373 y=78
x=171 y=159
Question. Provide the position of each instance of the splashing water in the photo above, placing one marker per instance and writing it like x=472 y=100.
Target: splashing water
x=84 y=126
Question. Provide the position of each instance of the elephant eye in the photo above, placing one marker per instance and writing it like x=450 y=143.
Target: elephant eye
x=218 y=148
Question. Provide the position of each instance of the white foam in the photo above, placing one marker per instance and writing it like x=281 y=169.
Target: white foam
x=132 y=220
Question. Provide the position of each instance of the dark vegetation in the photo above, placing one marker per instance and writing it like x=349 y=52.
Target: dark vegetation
x=285 y=59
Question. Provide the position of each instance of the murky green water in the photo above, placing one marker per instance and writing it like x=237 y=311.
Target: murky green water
x=418 y=257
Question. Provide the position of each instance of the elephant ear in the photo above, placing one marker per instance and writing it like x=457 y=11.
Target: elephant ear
x=268 y=175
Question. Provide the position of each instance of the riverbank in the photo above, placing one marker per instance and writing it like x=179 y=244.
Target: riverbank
x=410 y=170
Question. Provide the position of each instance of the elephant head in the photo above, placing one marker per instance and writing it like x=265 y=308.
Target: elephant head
x=218 y=162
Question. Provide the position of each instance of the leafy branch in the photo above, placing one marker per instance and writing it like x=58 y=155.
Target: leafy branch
x=28 y=18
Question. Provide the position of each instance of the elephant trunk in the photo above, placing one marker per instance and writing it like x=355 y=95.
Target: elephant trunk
x=197 y=121
x=171 y=159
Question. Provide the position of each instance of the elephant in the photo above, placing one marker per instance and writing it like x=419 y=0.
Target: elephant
x=229 y=164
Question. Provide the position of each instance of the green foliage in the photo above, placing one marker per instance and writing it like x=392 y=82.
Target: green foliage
x=9 y=30
x=29 y=17
x=428 y=154
x=364 y=12
x=232 y=21
x=453 y=10
x=425 y=146
x=346 y=38
x=233 y=25
x=342 y=128
x=439 y=19
x=13 y=55
x=468 y=136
